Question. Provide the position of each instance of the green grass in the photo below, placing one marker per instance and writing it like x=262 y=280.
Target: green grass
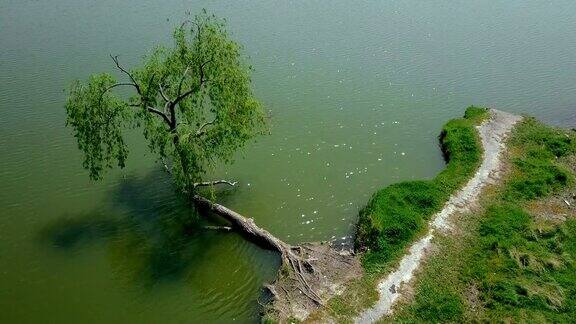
x=537 y=172
x=508 y=265
x=397 y=214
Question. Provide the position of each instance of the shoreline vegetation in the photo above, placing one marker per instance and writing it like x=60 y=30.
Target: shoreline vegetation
x=513 y=256
x=513 y=259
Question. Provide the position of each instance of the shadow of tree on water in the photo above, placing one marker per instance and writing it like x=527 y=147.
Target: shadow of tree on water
x=153 y=235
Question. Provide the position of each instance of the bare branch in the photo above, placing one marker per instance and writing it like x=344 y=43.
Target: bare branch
x=115 y=59
x=212 y=183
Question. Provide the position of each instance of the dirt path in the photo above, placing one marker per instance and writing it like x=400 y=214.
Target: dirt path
x=493 y=133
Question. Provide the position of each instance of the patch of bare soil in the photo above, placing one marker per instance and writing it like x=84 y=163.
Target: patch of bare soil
x=330 y=270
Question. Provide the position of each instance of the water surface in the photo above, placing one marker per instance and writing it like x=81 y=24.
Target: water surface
x=357 y=92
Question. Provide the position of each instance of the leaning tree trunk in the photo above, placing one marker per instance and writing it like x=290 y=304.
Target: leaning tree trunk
x=292 y=256
x=311 y=273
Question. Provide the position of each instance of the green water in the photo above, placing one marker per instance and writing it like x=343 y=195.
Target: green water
x=357 y=92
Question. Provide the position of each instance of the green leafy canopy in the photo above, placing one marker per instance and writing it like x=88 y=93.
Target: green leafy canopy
x=193 y=102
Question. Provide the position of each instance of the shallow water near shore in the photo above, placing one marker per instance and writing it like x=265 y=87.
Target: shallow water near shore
x=357 y=94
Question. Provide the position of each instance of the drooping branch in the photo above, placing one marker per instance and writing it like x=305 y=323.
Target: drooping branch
x=213 y=183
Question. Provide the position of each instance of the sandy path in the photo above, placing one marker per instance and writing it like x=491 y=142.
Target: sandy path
x=493 y=133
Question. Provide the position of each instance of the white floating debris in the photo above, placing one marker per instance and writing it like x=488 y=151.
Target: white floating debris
x=303 y=215
x=315 y=212
x=336 y=145
x=403 y=153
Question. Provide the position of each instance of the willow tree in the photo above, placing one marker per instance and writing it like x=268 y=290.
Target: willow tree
x=195 y=107
x=193 y=102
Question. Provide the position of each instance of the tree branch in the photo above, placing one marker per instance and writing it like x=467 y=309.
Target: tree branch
x=212 y=183
x=182 y=80
x=164 y=95
x=194 y=89
x=161 y=114
x=200 y=130
x=115 y=59
x=114 y=86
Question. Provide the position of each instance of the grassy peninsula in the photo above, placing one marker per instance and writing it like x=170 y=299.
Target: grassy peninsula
x=514 y=260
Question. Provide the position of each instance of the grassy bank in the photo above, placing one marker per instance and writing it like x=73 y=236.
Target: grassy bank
x=396 y=215
x=515 y=260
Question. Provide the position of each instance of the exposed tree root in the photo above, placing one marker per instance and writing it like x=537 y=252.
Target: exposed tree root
x=310 y=273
